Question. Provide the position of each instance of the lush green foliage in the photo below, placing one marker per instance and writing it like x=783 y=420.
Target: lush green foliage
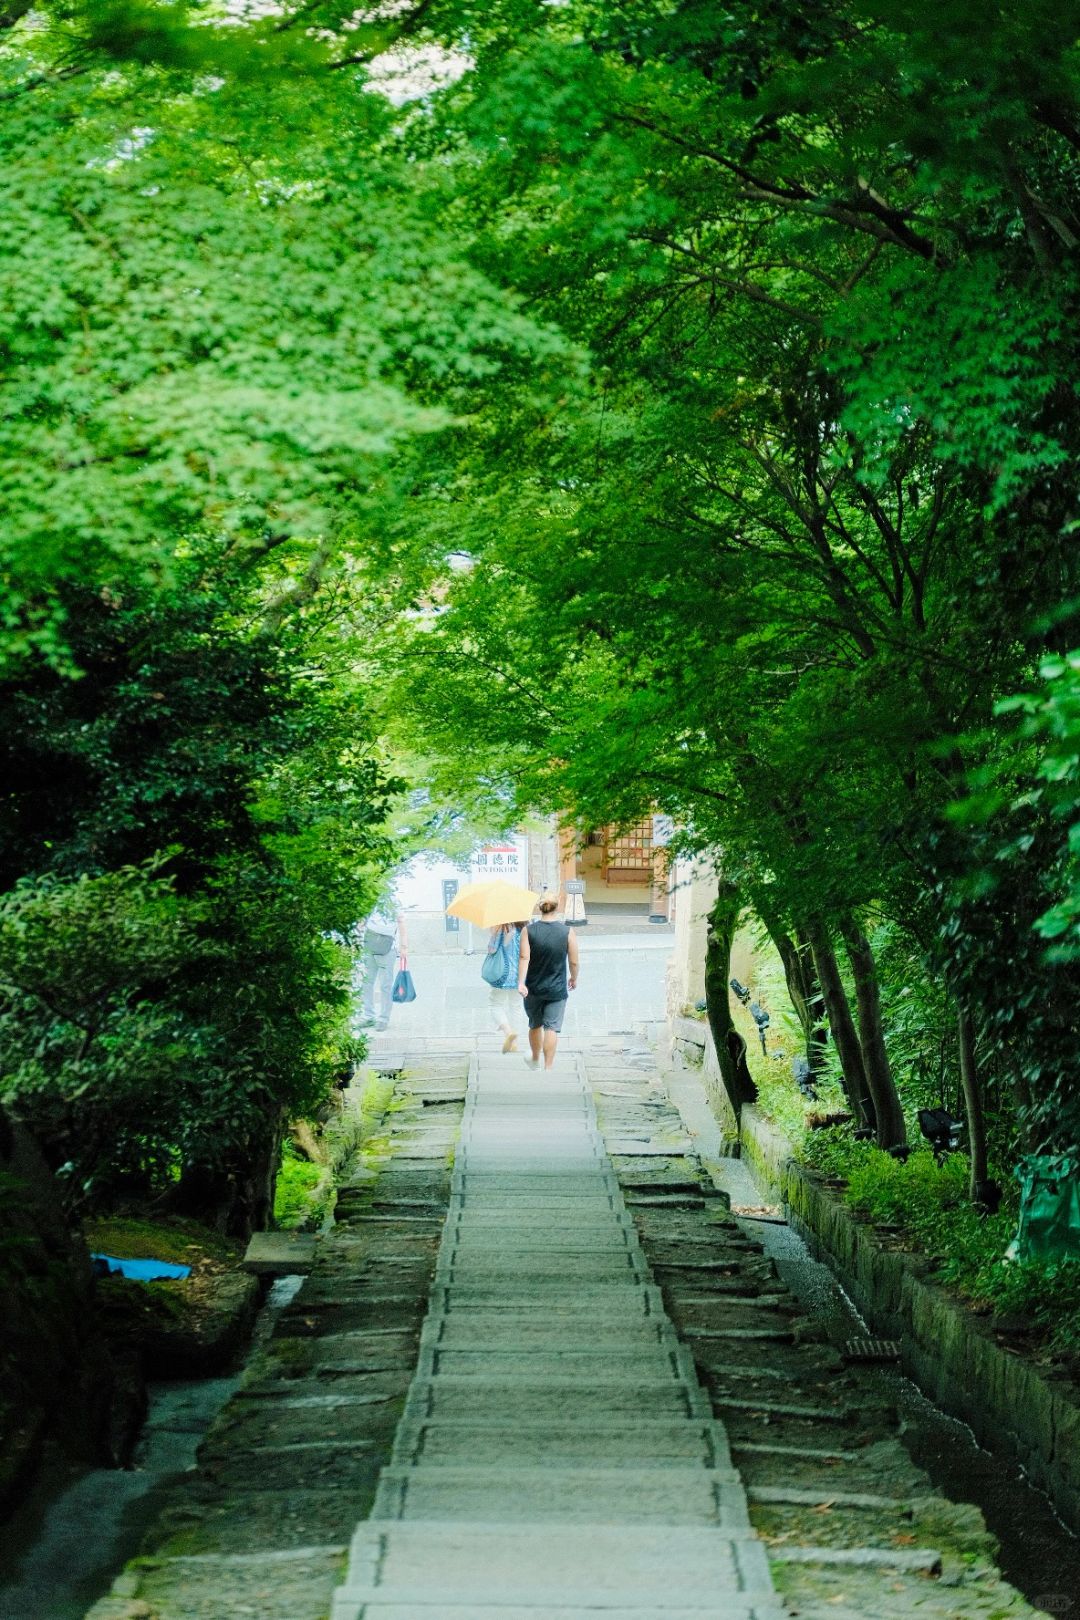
x=926 y=1204
x=776 y=562
x=226 y=303
x=298 y=1182
x=734 y=353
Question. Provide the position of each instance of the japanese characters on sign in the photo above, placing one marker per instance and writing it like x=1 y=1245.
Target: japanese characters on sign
x=497 y=861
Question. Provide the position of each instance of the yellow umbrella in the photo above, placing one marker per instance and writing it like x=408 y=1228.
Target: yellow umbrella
x=491 y=903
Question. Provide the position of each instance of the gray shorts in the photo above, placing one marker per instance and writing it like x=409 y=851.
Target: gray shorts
x=544 y=1014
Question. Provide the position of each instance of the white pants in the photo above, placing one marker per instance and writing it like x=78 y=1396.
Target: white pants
x=502 y=1004
x=378 y=979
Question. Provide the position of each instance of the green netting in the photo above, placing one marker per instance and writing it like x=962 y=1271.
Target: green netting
x=1049 y=1225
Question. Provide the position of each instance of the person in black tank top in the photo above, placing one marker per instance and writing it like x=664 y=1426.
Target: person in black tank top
x=547 y=972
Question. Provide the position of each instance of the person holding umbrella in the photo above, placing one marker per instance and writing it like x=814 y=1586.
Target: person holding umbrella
x=495 y=904
x=500 y=974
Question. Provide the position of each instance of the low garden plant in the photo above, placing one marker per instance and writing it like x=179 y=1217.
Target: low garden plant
x=925 y=1204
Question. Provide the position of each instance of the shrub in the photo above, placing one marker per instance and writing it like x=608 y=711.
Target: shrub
x=928 y=1203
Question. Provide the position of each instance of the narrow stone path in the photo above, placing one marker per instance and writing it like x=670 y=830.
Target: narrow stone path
x=854 y=1528
x=557 y=1457
x=260 y=1530
x=490 y=1383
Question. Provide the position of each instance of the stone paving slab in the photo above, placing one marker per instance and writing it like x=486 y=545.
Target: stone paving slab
x=564 y=1398
x=725 y=1608
x=535 y=1330
x=563 y=1495
x=512 y=1563
x=664 y=1441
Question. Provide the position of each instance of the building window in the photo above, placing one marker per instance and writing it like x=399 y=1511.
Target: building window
x=628 y=855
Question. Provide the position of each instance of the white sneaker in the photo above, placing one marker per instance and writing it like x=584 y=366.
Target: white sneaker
x=531 y=1062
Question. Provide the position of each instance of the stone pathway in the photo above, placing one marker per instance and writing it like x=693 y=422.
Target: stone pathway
x=622 y=983
x=854 y=1529
x=557 y=1457
x=515 y=1382
x=260 y=1531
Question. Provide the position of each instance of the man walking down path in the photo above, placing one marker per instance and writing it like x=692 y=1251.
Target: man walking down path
x=547 y=949
x=384 y=941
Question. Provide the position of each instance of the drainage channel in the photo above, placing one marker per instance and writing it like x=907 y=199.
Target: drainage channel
x=260 y=1525
x=76 y=1527
x=235 y=1477
x=1035 y=1552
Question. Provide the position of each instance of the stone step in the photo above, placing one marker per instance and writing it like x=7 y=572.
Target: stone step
x=638 y=1442
x=598 y=1202
x=787 y=1496
x=811 y=1454
x=627 y=1300
x=606 y=1238
x=436 y=1608
x=587 y=1167
x=575 y=1331
x=503 y=1218
x=534 y=1173
x=506 y=1400
x=745 y=1335
x=486 y=1564
x=546 y=1189
x=558 y=1140
x=280 y=1254
x=907 y=1560
x=550 y=1294
x=530 y=1131
x=560 y=1144
x=542 y=1363
x=615 y=1266
x=748 y=1406
x=562 y=1495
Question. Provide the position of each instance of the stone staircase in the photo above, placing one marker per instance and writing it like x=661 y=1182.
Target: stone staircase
x=557 y=1458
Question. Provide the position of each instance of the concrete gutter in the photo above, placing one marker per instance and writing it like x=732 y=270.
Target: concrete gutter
x=1014 y=1407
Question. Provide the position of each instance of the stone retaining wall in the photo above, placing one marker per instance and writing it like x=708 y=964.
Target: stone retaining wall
x=1013 y=1407
x=692 y=1047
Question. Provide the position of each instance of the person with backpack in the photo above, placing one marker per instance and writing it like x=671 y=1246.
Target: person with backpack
x=383 y=941
x=499 y=971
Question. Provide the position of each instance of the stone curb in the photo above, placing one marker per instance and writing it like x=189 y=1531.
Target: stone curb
x=1012 y=1407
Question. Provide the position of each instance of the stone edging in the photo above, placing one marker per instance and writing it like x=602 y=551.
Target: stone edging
x=1010 y=1404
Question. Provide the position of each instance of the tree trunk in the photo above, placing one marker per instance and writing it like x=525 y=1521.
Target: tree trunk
x=803 y=988
x=891 y=1128
x=842 y=1026
x=973 y=1107
x=817 y=1035
x=730 y=1046
x=236 y=1198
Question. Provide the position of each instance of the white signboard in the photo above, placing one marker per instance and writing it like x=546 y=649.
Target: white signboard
x=663 y=829
x=503 y=861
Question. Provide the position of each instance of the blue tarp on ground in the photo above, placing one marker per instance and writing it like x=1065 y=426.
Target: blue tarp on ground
x=142 y=1270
